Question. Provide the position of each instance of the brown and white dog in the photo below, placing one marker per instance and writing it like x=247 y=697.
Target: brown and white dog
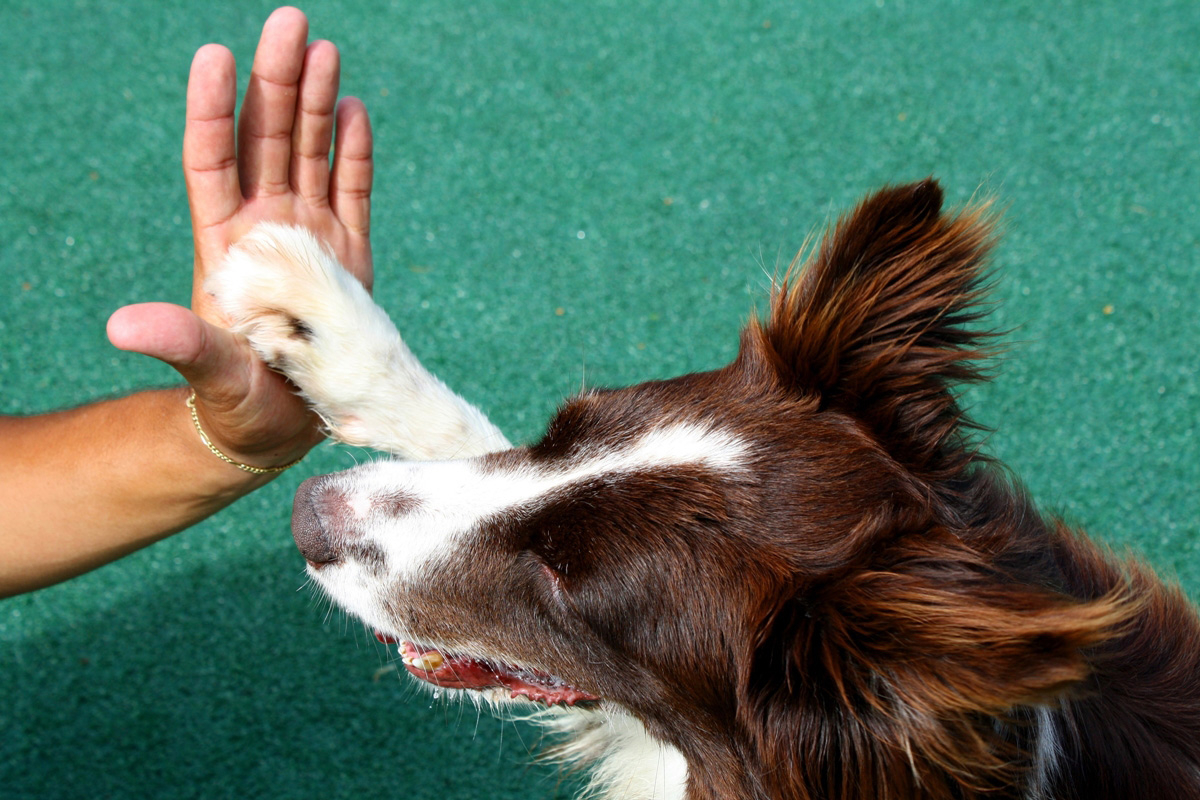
x=792 y=577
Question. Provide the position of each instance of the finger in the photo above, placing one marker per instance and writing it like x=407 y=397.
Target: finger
x=312 y=134
x=353 y=167
x=269 y=110
x=249 y=408
x=209 y=160
x=215 y=361
x=199 y=351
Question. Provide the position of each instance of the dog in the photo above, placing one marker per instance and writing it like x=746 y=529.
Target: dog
x=796 y=576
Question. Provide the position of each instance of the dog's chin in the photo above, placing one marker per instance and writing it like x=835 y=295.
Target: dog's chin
x=488 y=677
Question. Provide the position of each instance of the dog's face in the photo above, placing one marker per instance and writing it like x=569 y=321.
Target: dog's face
x=628 y=557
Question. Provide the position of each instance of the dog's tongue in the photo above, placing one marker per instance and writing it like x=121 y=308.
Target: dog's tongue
x=461 y=672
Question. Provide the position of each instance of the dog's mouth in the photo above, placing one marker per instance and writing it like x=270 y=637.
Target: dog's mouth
x=456 y=671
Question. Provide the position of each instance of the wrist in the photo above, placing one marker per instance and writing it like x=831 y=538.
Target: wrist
x=214 y=475
x=233 y=462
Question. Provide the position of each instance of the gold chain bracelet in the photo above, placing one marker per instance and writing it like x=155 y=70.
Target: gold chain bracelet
x=191 y=404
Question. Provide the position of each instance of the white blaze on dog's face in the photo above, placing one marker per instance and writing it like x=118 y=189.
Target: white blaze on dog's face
x=398 y=523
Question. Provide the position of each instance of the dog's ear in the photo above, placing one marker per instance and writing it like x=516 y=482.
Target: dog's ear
x=875 y=323
x=901 y=671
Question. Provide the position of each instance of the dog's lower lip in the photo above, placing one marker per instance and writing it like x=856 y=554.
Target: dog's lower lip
x=465 y=672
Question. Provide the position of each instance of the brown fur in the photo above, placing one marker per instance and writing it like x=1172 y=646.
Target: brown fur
x=909 y=669
x=910 y=609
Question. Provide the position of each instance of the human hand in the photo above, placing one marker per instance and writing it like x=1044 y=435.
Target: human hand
x=277 y=169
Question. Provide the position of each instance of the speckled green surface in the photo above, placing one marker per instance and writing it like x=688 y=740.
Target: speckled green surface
x=569 y=192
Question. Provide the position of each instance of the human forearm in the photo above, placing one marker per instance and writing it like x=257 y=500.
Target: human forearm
x=83 y=487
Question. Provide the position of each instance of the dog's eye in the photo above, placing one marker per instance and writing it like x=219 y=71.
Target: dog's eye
x=560 y=537
x=548 y=563
x=553 y=546
x=554 y=580
x=548 y=580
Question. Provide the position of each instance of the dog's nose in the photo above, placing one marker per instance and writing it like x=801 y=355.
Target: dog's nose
x=308 y=529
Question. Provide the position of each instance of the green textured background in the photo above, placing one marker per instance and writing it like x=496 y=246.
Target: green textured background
x=642 y=166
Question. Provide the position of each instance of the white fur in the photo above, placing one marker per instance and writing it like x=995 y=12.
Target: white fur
x=626 y=762
x=451 y=497
x=1047 y=755
x=355 y=370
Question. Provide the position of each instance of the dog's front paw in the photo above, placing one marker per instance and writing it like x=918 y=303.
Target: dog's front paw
x=307 y=317
x=278 y=286
x=283 y=290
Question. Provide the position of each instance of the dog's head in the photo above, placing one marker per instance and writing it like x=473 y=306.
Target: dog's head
x=784 y=561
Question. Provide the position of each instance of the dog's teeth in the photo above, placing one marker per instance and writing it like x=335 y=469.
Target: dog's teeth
x=428 y=662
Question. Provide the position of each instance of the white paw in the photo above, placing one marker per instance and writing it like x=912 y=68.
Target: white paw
x=277 y=286
x=307 y=317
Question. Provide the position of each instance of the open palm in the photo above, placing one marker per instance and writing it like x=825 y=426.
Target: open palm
x=272 y=164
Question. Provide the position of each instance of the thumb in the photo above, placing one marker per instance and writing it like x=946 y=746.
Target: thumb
x=251 y=412
x=211 y=359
